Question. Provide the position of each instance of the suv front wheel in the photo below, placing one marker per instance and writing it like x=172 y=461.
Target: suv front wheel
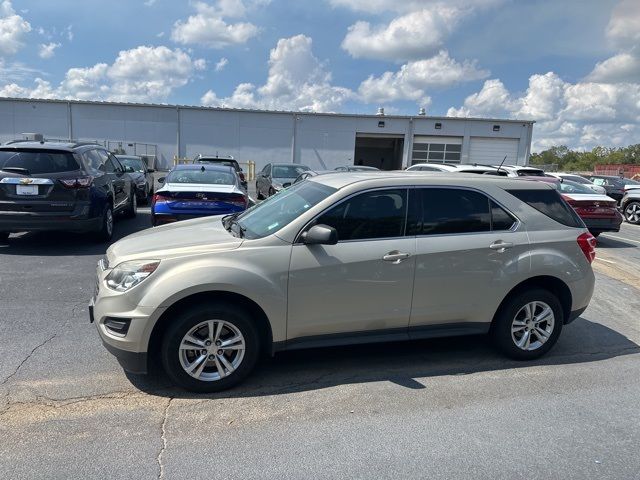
x=210 y=347
x=528 y=324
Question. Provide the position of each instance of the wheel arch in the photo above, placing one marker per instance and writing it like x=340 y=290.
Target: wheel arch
x=545 y=282
x=261 y=320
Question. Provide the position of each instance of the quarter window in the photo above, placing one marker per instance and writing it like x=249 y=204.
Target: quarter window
x=500 y=219
x=375 y=214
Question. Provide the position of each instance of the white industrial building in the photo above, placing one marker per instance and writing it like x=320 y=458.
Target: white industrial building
x=320 y=140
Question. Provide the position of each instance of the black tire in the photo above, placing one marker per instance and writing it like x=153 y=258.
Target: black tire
x=105 y=233
x=146 y=195
x=631 y=212
x=258 y=193
x=189 y=319
x=502 y=324
x=132 y=208
x=272 y=192
x=4 y=236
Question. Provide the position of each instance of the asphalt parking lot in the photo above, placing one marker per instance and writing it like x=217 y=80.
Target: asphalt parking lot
x=450 y=408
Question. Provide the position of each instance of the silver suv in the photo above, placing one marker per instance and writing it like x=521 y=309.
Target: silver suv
x=341 y=259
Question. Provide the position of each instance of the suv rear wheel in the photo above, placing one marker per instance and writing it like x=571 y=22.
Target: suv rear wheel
x=632 y=212
x=528 y=324
x=105 y=233
x=132 y=209
x=210 y=347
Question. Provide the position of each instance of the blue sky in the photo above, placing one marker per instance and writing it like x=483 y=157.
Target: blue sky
x=573 y=66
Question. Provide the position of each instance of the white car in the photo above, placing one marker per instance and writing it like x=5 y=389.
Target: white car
x=581 y=180
x=432 y=167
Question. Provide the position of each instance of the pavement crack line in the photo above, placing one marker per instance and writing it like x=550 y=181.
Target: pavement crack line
x=163 y=437
x=40 y=345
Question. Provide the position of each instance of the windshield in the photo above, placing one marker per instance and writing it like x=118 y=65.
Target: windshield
x=281 y=209
x=201 y=176
x=34 y=162
x=288 y=171
x=135 y=163
x=567 y=186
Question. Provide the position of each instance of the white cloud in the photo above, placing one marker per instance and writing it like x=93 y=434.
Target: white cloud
x=208 y=27
x=220 y=64
x=13 y=29
x=47 y=50
x=583 y=114
x=297 y=80
x=623 y=67
x=150 y=3
x=69 y=32
x=142 y=74
x=414 y=78
x=624 y=25
x=17 y=72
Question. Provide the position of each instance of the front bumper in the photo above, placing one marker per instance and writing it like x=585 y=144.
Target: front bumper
x=130 y=349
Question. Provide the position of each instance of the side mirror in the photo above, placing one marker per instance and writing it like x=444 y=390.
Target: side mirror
x=162 y=179
x=285 y=185
x=150 y=170
x=320 y=235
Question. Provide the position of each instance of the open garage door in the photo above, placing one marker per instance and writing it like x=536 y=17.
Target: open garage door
x=491 y=151
x=380 y=151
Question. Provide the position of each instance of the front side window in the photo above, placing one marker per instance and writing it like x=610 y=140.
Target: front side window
x=94 y=162
x=279 y=210
x=137 y=164
x=451 y=210
x=288 y=171
x=375 y=214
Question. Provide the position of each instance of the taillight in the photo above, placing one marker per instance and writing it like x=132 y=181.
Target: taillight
x=158 y=197
x=587 y=244
x=568 y=199
x=239 y=201
x=79 y=182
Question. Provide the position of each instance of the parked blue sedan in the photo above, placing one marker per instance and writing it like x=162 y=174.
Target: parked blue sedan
x=191 y=191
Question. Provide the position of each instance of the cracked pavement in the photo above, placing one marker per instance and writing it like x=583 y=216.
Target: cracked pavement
x=449 y=408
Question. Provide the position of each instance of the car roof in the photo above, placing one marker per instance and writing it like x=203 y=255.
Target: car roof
x=201 y=166
x=129 y=157
x=62 y=146
x=444 y=166
x=402 y=178
x=214 y=159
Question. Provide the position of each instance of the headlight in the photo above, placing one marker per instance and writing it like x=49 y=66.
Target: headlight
x=129 y=274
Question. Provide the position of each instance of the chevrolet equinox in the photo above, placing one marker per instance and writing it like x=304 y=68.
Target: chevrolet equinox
x=346 y=258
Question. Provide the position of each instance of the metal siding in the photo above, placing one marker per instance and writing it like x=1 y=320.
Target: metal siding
x=491 y=151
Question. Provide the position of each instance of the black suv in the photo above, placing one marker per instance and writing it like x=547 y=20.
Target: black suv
x=227 y=161
x=615 y=186
x=62 y=186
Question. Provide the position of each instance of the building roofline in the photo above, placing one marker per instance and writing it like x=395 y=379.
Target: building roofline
x=247 y=110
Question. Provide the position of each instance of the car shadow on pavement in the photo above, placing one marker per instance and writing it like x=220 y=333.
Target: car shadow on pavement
x=402 y=363
x=605 y=242
x=68 y=243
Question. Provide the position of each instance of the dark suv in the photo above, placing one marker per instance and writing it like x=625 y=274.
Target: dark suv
x=615 y=186
x=62 y=186
x=227 y=161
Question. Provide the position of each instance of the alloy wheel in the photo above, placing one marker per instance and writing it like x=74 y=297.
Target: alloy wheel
x=632 y=213
x=212 y=350
x=532 y=326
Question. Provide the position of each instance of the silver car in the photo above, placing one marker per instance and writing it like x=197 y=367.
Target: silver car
x=346 y=258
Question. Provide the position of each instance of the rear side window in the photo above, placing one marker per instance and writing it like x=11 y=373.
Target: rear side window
x=550 y=203
x=375 y=214
x=34 y=162
x=449 y=210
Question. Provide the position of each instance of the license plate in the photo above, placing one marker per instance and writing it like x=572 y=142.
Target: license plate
x=27 y=189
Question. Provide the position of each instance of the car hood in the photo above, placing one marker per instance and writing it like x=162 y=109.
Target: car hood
x=631 y=187
x=282 y=180
x=199 y=235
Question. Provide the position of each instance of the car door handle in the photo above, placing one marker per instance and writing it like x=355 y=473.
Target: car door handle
x=395 y=256
x=500 y=245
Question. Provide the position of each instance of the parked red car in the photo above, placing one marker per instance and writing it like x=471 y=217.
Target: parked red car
x=598 y=212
